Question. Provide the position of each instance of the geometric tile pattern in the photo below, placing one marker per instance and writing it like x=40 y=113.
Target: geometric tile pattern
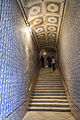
x=17 y=61
x=69 y=51
x=0 y=7
x=44 y=17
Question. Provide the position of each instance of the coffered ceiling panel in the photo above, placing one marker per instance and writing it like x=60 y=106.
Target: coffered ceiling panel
x=44 y=17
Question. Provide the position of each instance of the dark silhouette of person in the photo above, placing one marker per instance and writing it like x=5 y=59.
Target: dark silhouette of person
x=49 y=61
x=53 y=63
x=42 y=62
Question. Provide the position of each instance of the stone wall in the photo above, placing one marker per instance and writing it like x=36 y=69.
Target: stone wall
x=69 y=50
x=18 y=60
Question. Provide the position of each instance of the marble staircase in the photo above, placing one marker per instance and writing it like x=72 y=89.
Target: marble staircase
x=49 y=93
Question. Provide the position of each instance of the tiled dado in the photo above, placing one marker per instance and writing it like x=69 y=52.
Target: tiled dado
x=74 y=109
x=20 y=112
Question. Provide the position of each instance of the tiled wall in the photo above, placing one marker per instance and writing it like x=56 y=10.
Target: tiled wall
x=18 y=57
x=69 y=50
x=0 y=8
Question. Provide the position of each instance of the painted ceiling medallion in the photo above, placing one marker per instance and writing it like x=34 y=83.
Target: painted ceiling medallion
x=51 y=35
x=40 y=29
x=40 y=36
x=52 y=28
x=52 y=20
x=52 y=7
x=34 y=10
x=37 y=21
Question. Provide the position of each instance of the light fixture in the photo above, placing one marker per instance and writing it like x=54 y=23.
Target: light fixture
x=28 y=26
x=45 y=53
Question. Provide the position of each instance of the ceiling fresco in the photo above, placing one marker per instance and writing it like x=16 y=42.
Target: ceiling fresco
x=44 y=17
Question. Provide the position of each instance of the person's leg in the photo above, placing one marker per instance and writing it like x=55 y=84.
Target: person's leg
x=43 y=64
x=48 y=63
x=53 y=66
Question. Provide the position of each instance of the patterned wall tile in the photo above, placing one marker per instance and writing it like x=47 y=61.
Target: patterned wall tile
x=69 y=51
x=16 y=59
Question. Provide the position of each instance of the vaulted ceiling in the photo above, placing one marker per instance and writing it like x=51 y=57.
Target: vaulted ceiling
x=44 y=17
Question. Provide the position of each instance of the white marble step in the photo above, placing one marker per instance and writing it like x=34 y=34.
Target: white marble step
x=49 y=100
x=44 y=93
x=49 y=103
x=55 y=109
x=49 y=97
x=48 y=85
x=48 y=91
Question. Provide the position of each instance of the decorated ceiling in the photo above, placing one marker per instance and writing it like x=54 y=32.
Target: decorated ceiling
x=44 y=17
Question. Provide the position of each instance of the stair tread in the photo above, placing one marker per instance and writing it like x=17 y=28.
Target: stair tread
x=49 y=97
x=56 y=108
x=48 y=105
x=53 y=110
x=48 y=92
x=32 y=103
x=49 y=100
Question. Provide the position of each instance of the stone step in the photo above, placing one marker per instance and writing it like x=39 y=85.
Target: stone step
x=48 y=101
x=49 y=109
x=38 y=84
x=48 y=97
x=49 y=79
x=49 y=94
x=48 y=85
x=49 y=105
x=50 y=91
x=54 y=104
x=52 y=82
x=50 y=88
